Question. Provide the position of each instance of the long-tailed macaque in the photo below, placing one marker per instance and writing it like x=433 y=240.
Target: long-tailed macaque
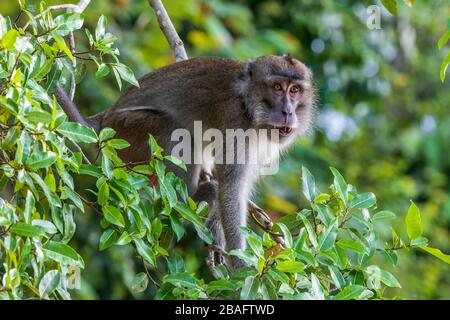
x=270 y=92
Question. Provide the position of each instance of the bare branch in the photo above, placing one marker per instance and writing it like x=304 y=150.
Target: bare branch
x=68 y=106
x=169 y=31
x=82 y=4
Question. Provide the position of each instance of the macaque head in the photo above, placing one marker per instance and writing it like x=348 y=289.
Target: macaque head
x=279 y=94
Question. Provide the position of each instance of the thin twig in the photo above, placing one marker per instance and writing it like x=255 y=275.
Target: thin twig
x=149 y=276
x=67 y=105
x=169 y=31
x=82 y=4
x=5 y=231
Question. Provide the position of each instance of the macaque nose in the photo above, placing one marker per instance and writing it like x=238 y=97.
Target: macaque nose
x=287 y=112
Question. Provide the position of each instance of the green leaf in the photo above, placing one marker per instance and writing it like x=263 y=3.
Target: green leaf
x=100 y=28
x=444 y=39
x=204 y=233
x=340 y=185
x=322 y=197
x=118 y=143
x=49 y=282
x=249 y=288
x=349 y=292
x=363 y=201
x=140 y=282
x=290 y=266
x=49 y=194
x=61 y=44
x=316 y=288
x=107 y=167
x=220 y=285
x=413 y=222
x=181 y=280
x=126 y=73
x=255 y=245
x=336 y=276
x=113 y=215
x=9 y=39
x=27 y=230
x=419 y=242
x=106 y=134
x=177 y=226
x=62 y=253
x=29 y=206
x=145 y=252
x=68 y=193
x=444 y=67
x=437 y=253
x=351 y=245
x=328 y=237
x=103 y=194
x=176 y=162
x=68 y=22
x=154 y=147
x=286 y=234
x=309 y=185
x=102 y=71
x=390 y=5
x=41 y=160
x=117 y=76
x=124 y=239
x=409 y=3
x=175 y=263
x=90 y=170
x=188 y=214
x=388 y=279
x=78 y=132
x=384 y=215
x=311 y=233
x=107 y=239
x=45 y=225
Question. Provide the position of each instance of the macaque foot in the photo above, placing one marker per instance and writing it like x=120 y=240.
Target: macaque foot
x=216 y=256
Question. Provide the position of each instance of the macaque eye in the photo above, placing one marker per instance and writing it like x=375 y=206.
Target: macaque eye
x=277 y=87
x=294 y=89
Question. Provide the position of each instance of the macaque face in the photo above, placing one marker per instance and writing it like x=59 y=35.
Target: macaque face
x=282 y=95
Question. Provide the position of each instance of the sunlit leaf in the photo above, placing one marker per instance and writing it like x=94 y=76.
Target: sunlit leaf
x=413 y=222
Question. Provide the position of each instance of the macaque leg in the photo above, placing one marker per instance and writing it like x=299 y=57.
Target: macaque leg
x=234 y=185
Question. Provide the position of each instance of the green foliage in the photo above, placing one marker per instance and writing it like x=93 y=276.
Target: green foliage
x=38 y=162
x=320 y=257
x=337 y=248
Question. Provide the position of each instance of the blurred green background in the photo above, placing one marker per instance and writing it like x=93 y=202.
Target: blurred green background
x=383 y=121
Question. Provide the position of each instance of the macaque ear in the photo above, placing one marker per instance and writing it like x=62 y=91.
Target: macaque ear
x=245 y=77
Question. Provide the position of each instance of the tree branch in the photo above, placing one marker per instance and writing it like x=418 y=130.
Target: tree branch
x=68 y=106
x=169 y=31
x=82 y=4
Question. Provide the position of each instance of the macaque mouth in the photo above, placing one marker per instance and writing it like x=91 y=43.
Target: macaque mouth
x=284 y=131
